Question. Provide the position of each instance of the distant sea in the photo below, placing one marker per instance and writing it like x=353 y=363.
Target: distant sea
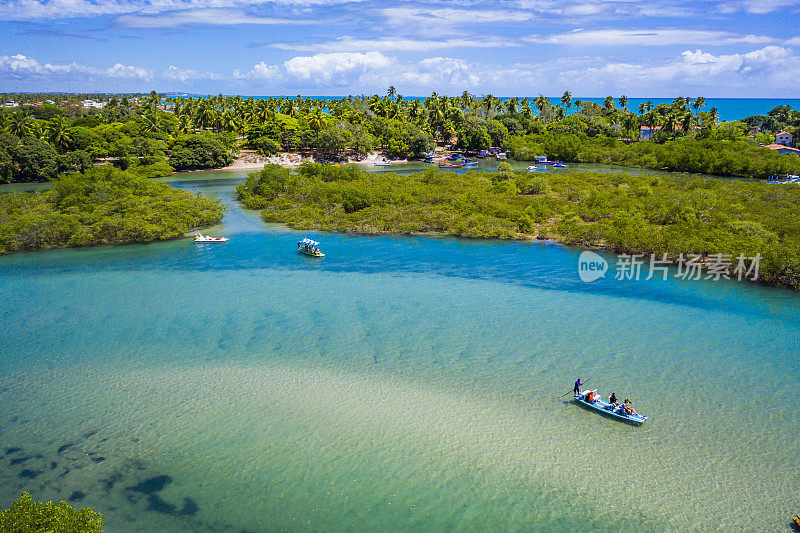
x=729 y=108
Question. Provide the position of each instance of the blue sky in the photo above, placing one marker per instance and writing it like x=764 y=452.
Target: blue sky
x=641 y=48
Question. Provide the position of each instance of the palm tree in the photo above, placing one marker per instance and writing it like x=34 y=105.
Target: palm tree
x=58 y=134
x=185 y=124
x=152 y=121
x=623 y=102
x=699 y=103
x=21 y=124
x=648 y=106
x=391 y=91
x=316 y=120
x=641 y=108
x=608 y=103
x=566 y=99
x=714 y=114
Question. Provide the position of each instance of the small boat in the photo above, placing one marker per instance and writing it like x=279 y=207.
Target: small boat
x=468 y=163
x=309 y=247
x=484 y=153
x=534 y=168
x=559 y=164
x=607 y=409
x=542 y=160
x=501 y=156
x=199 y=237
x=454 y=157
x=383 y=163
x=796 y=521
x=451 y=165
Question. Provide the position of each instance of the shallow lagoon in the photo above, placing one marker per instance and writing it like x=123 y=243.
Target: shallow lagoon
x=398 y=383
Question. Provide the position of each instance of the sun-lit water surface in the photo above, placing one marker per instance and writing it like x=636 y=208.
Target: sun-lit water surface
x=399 y=383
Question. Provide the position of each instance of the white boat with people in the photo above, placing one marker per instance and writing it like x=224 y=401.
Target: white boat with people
x=612 y=408
x=199 y=237
x=310 y=248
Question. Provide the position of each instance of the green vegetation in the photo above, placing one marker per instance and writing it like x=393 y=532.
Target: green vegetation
x=39 y=142
x=45 y=139
x=717 y=157
x=625 y=213
x=28 y=516
x=102 y=205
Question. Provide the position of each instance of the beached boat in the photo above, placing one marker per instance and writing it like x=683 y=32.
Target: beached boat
x=309 y=248
x=382 y=163
x=607 y=409
x=451 y=165
x=199 y=237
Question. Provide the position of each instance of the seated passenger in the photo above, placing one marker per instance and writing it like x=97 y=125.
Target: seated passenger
x=629 y=410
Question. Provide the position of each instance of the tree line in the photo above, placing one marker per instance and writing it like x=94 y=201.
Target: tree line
x=625 y=213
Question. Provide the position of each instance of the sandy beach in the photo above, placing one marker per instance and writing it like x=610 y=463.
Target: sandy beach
x=251 y=160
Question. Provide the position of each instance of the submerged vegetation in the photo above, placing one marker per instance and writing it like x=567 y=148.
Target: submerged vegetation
x=623 y=212
x=102 y=205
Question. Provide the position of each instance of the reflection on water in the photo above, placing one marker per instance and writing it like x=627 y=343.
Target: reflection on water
x=399 y=383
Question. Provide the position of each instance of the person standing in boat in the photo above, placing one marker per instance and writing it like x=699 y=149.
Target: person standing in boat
x=577 y=387
x=613 y=399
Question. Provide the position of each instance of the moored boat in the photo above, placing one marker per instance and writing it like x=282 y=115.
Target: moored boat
x=606 y=408
x=559 y=164
x=451 y=165
x=501 y=156
x=468 y=163
x=309 y=248
x=199 y=237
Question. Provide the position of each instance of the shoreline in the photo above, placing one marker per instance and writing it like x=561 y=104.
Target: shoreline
x=251 y=160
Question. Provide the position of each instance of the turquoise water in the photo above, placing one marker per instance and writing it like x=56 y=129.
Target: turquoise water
x=400 y=383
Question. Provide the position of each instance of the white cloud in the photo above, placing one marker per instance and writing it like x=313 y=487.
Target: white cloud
x=181 y=74
x=642 y=37
x=121 y=71
x=444 y=20
x=261 y=71
x=24 y=65
x=218 y=17
x=50 y=9
x=773 y=68
x=756 y=7
x=341 y=68
x=441 y=72
x=390 y=44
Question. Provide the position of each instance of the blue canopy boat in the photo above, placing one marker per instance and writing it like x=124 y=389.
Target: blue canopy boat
x=607 y=409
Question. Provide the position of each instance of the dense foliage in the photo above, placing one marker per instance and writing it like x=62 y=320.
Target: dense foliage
x=625 y=213
x=28 y=516
x=101 y=205
x=706 y=156
x=45 y=139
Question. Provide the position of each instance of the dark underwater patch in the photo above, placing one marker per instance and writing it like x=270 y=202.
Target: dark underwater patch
x=76 y=496
x=152 y=485
x=157 y=505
